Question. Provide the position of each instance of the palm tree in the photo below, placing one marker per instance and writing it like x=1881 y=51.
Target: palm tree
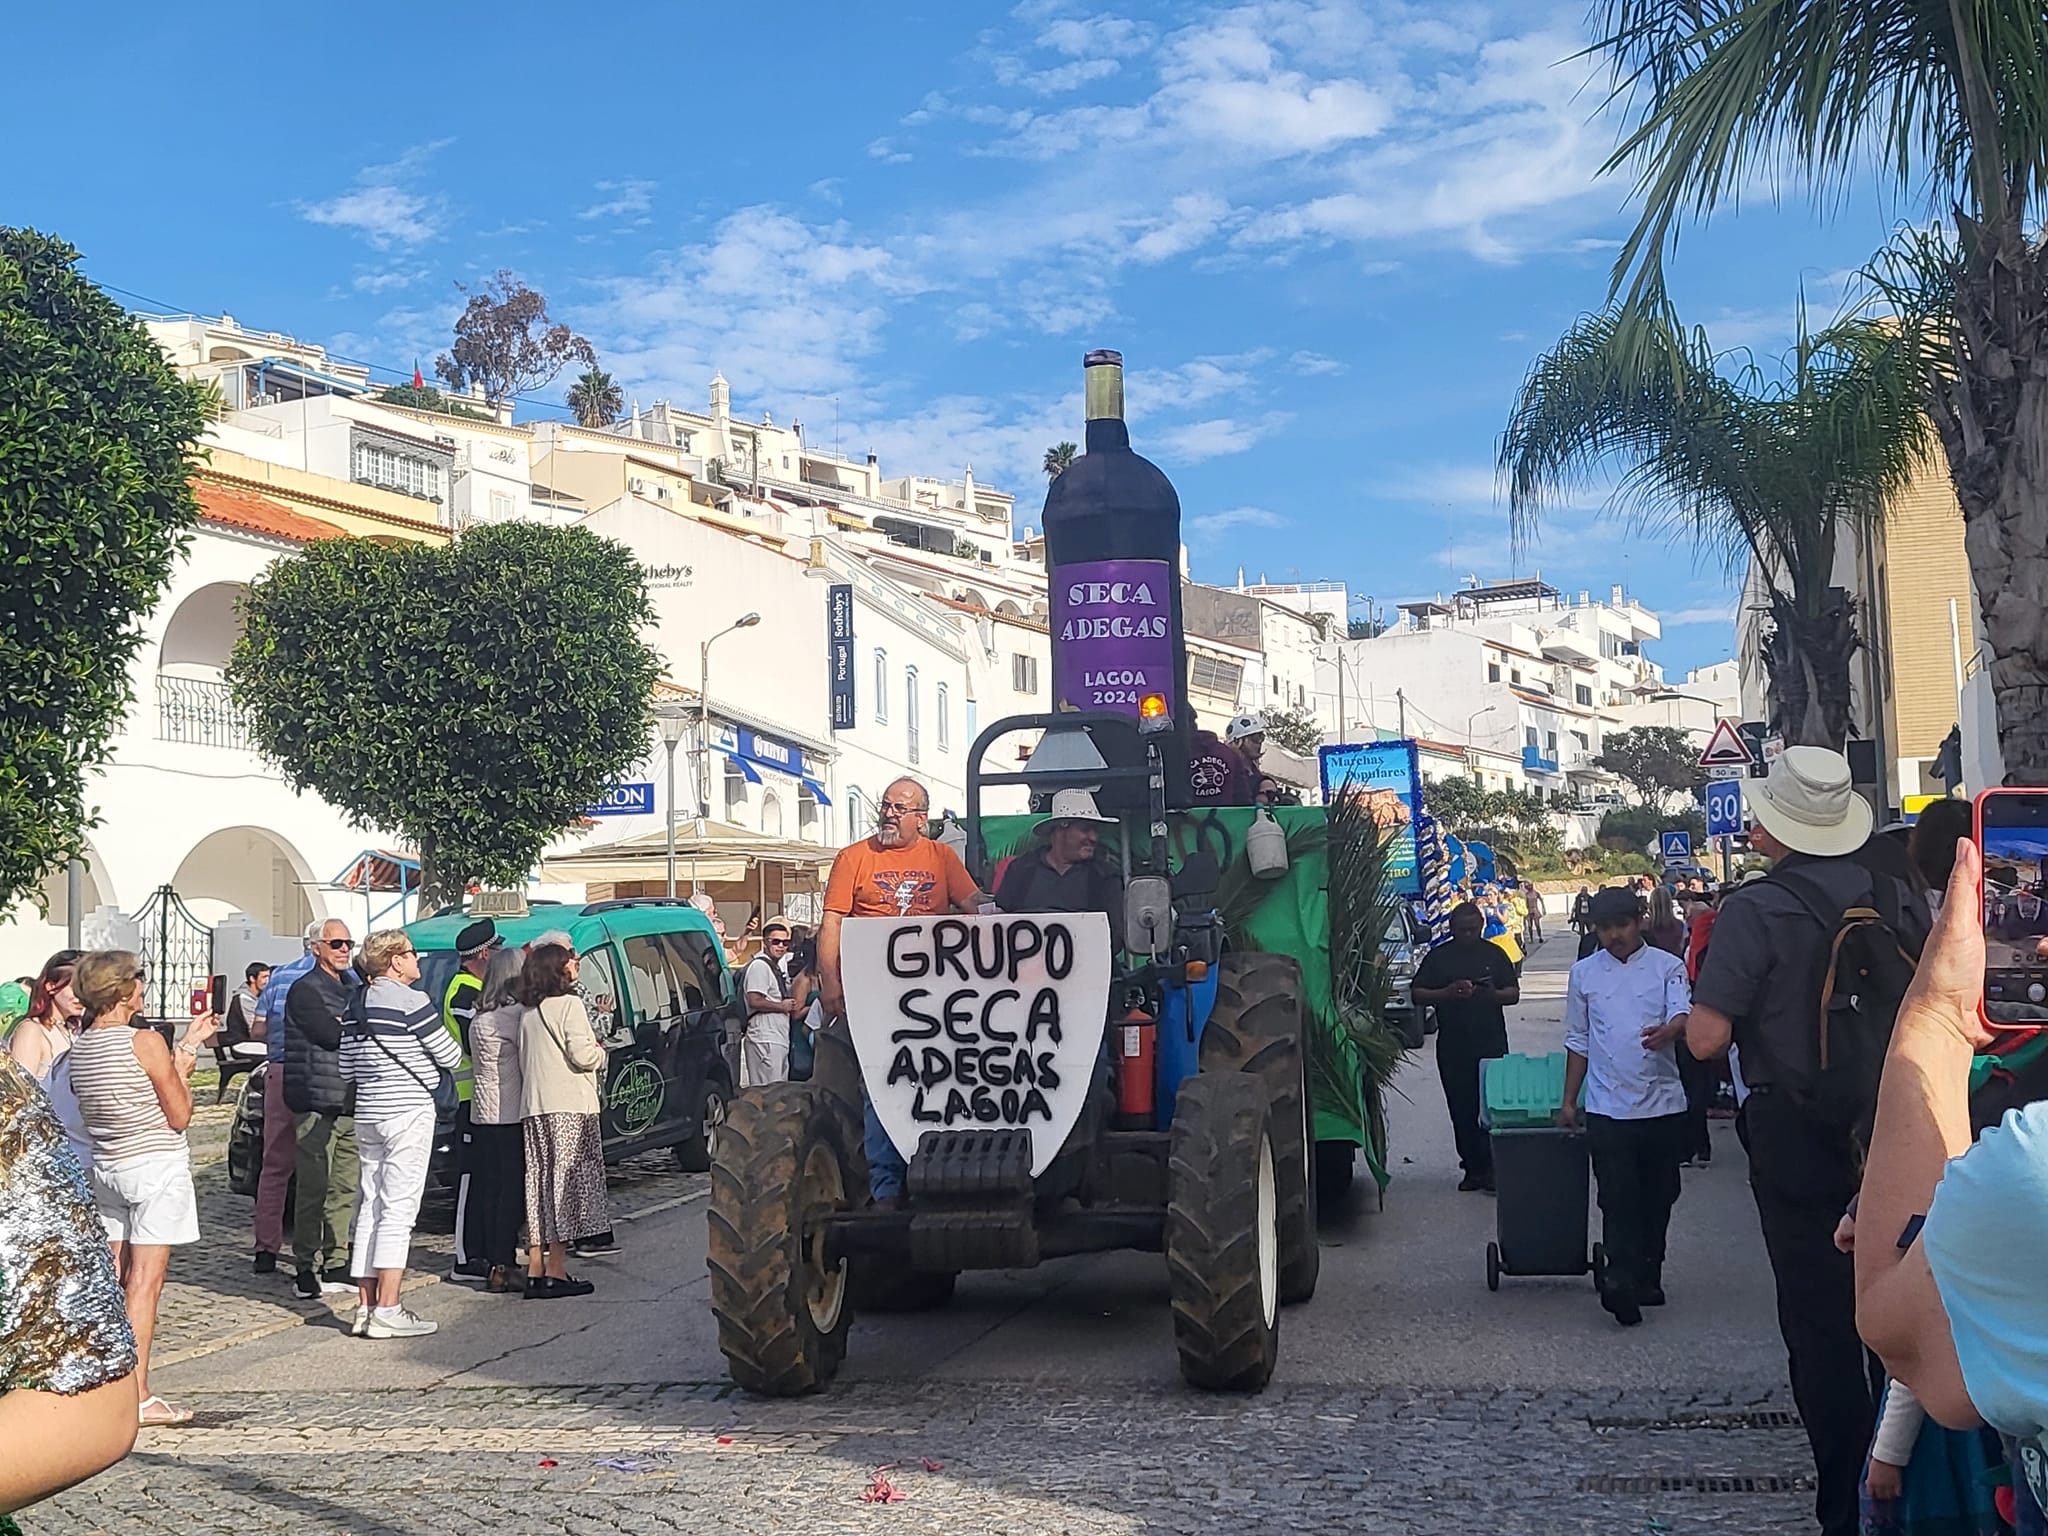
x=1954 y=102
x=1771 y=471
x=1057 y=458
x=596 y=399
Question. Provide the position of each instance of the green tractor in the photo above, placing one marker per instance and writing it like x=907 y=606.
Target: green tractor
x=1052 y=1089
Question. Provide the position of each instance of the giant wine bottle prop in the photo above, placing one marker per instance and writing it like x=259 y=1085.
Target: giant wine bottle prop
x=1112 y=549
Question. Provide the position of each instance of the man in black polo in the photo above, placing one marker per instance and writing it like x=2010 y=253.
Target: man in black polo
x=1064 y=875
x=1760 y=985
x=1470 y=981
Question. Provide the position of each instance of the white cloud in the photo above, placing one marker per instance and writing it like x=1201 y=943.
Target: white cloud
x=1195 y=441
x=627 y=197
x=1207 y=527
x=385 y=206
x=384 y=282
x=1313 y=363
x=1701 y=613
x=772 y=301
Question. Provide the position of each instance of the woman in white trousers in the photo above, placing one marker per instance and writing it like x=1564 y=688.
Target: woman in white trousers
x=394 y=1048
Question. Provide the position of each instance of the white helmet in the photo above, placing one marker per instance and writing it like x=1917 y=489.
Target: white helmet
x=1243 y=726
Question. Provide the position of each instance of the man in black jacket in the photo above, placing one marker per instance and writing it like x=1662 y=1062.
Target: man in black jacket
x=1759 y=986
x=316 y=1093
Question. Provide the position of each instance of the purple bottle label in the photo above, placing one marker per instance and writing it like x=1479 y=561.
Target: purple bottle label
x=1112 y=635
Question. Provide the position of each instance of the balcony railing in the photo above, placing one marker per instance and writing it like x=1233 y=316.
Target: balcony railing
x=1533 y=761
x=200 y=713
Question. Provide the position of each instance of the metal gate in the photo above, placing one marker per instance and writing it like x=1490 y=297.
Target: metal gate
x=177 y=952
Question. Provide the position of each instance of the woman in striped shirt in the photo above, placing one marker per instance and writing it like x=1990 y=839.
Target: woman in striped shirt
x=394 y=1047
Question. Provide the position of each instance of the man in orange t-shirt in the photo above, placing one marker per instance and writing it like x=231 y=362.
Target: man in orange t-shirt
x=898 y=872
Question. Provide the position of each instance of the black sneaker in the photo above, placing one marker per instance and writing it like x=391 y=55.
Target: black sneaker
x=602 y=1246
x=306 y=1285
x=1471 y=1184
x=471 y=1270
x=337 y=1282
x=266 y=1263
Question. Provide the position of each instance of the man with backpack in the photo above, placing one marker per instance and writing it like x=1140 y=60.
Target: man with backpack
x=1805 y=975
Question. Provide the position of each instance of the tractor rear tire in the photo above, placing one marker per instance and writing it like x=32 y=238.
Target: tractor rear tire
x=1223 y=1233
x=1257 y=1027
x=782 y=1166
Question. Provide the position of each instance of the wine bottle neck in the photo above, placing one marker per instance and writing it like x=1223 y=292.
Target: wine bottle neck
x=1107 y=433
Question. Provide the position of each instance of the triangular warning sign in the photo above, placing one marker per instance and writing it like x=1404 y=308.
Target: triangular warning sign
x=1725 y=746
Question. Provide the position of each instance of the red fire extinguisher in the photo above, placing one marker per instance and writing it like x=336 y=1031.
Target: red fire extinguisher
x=1137 y=1050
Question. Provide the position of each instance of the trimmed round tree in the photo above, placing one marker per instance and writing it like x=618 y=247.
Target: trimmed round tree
x=472 y=698
x=96 y=504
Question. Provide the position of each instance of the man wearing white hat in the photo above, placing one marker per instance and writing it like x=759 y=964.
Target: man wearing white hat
x=1760 y=985
x=1063 y=874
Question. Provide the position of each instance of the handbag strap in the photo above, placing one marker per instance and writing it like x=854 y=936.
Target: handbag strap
x=403 y=1066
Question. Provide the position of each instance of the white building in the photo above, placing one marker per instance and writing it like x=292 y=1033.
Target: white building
x=186 y=802
x=1505 y=667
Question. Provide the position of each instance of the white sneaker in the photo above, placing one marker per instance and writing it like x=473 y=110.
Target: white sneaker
x=397 y=1323
x=361 y=1326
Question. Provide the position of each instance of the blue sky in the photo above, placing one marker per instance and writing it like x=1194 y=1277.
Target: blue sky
x=1328 y=235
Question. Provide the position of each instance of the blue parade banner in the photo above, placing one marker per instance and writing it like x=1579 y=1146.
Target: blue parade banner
x=1384 y=774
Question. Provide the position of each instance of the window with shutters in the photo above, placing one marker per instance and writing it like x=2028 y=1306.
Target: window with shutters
x=1208 y=674
x=1024 y=673
x=881 y=707
x=942 y=707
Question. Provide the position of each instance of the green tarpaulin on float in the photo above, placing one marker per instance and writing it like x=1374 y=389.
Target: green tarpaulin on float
x=1286 y=916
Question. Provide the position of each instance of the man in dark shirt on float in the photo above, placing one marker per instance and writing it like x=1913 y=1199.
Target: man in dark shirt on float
x=1760 y=986
x=1064 y=874
x=1470 y=981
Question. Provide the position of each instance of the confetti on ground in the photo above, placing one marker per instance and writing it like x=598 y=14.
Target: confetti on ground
x=880 y=1490
x=550 y=1464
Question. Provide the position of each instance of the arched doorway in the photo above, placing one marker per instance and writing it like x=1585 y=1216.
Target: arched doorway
x=771 y=814
x=251 y=870
x=95 y=890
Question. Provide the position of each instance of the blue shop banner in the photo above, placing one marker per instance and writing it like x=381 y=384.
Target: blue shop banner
x=624 y=800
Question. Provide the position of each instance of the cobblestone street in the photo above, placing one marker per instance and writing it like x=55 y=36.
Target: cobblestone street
x=1408 y=1398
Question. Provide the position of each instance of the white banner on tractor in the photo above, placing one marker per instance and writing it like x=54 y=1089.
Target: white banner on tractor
x=978 y=1023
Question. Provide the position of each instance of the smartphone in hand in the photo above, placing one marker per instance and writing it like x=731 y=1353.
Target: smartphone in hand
x=2012 y=833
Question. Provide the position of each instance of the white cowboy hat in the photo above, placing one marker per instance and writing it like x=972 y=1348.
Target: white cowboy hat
x=1076 y=805
x=1808 y=803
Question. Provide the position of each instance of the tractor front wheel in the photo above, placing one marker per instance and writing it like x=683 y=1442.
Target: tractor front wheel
x=1223 y=1233
x=781 y=1169
x=1257 y=1028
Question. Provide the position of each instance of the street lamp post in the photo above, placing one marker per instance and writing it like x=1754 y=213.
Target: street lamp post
x=673 y=720
x=1472 y=717
x=744 y=621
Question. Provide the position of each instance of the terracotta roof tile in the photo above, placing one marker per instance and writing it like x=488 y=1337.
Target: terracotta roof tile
x=259 y=514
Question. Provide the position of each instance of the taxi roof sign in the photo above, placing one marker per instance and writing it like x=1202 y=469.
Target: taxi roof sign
x=1725 y=746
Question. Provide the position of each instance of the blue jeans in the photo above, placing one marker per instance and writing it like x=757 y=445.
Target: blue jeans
x=886 y=1167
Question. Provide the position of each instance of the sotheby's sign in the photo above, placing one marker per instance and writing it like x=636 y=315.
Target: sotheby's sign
x=977 y=1023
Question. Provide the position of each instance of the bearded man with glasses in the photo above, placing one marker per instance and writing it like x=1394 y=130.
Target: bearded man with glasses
x=897 y=872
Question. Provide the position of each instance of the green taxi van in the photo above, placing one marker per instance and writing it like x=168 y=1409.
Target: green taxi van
x=661 y=1001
